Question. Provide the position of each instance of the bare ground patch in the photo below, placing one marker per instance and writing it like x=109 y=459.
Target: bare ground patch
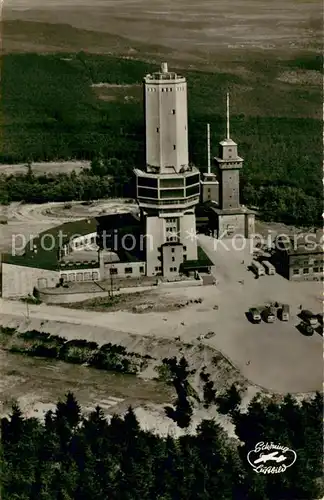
x=122 y=93
x=181 y=26
x=37 y=383
x=302 y=77
x=138 y=302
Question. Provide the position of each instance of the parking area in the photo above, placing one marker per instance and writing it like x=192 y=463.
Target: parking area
x=275 y=355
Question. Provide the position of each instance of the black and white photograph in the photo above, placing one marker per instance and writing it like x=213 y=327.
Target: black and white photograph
x=161 y=250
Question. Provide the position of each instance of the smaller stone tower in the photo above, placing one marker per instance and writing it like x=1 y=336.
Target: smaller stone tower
x=231 y=217
x=229 y=165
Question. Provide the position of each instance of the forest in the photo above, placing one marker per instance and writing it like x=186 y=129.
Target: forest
x=72 y=456
x=50 y=111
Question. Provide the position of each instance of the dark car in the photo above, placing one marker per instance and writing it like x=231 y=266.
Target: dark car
x=309 y=317
x=255 y=315
x=306 y=328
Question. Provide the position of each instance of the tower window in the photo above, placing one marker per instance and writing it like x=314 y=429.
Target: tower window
x=173 y=259
x=174 y=146
x=230 y=150
x=173 y=111
x=157 y=129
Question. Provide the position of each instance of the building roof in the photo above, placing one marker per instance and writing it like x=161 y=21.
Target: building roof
x=301 y=243
x=118 y=221
x=230 y=211
x=187 y=171
x=39 y=256
x=163 y=74
x=228 y=142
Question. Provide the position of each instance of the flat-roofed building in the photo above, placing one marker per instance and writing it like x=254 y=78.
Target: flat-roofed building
x=300 y=257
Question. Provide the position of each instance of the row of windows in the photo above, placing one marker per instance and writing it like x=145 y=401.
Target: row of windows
x=147 y=182
x=193 y=179
x=158 y=268
x=311 y=261
x=165 y=89
x=192 y=190
x=168 y=193
x=147 y=192
x=173 y=269
x=177 y=193
x=306 y=270
x=171 y=182
x=80 y=276
x=127 y=270
x=184 y=249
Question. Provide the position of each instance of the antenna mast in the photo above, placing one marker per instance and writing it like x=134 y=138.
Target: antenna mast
x=227 y=117
x=208 y=147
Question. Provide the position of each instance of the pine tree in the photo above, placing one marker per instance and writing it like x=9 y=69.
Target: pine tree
x=20 y=444
x=70 y=410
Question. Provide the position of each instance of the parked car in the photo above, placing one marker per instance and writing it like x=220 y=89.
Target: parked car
x=269 y=314
x=284 y=312
x=320 y=318
x=309 y=317
x=306 y=328
x=255 y=315
x=257 y=268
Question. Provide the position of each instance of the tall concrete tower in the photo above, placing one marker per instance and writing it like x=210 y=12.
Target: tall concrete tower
x=166 y=121
x=168 y=188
